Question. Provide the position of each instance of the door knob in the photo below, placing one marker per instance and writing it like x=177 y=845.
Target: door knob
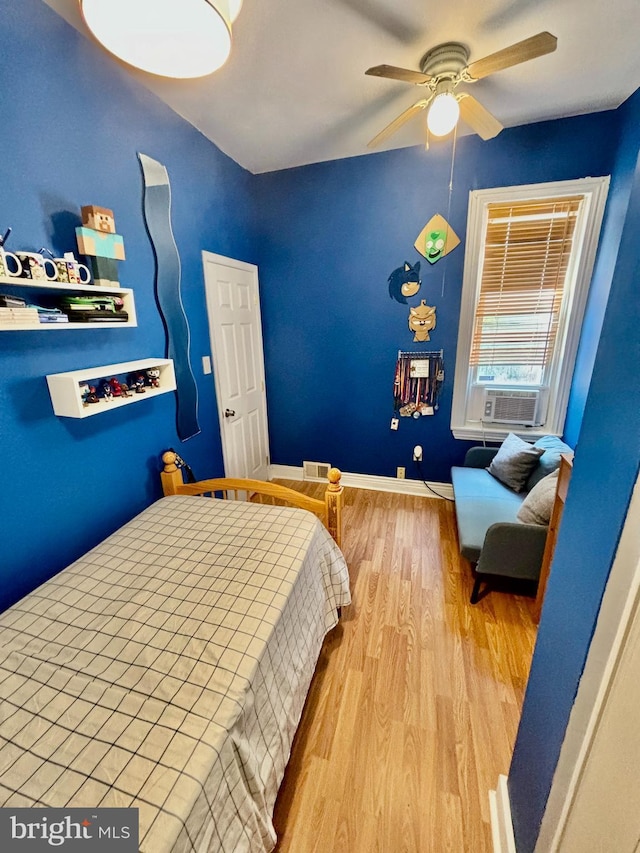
x=229 y=413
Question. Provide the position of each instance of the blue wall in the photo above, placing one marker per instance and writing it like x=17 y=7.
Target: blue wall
x=73 y=123
x=330 y=235
x=606 y=467
x=624 y=141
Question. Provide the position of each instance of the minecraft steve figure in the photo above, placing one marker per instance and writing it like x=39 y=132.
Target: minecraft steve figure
x=97 y=239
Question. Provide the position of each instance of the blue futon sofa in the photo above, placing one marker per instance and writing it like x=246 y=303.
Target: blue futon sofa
x=491 y=537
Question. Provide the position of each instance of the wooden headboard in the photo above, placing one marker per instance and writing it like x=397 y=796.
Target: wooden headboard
x=328 y=510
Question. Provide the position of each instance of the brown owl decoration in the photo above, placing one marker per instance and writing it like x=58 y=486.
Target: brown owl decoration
x=421 y=320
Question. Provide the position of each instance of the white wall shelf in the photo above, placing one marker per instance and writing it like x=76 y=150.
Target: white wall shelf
x=67 y=389
x=27 y=288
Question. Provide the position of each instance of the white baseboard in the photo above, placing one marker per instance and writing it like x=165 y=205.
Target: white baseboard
x=501 y=824
x=370 y=481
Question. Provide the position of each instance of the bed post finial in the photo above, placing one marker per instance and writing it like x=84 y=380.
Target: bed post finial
x=334 y=477
x=169 y=458
x=171 y=475
x=333 y=502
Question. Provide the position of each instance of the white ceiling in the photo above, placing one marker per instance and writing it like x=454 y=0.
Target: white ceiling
x=294 y=90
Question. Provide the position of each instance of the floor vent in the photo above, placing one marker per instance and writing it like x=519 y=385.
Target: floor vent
x=315 y=470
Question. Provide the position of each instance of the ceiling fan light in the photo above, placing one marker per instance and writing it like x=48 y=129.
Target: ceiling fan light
x=170 y=38
x=443 y=114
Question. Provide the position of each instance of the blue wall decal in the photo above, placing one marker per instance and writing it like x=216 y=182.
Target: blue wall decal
x=404 y=281
x=157 y=214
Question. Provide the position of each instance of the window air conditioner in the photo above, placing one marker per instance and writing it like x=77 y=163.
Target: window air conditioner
x=509 y=406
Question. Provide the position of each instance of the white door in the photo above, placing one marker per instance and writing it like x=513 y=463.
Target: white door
x=235 y=329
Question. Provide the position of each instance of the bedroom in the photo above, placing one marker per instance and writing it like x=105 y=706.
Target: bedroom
x=73 y=125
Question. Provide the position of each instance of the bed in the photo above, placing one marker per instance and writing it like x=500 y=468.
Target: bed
x=167 y=668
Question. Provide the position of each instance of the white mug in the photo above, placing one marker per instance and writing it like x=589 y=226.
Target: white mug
x=34 y=266
x=5 y=266
x=77 y=273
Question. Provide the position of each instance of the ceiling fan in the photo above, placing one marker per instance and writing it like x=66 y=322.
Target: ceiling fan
x=442 y=69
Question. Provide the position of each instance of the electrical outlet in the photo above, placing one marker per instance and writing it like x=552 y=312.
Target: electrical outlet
x=400 y=472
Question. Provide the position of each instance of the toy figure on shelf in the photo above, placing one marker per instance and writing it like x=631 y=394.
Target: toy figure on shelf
x=106 y=390
x=136 y=381
x=90 y=395
x=116 y=387
x=124 y=388
x=98 y=240
x=153 y=377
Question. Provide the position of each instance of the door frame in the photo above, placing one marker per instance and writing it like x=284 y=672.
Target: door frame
x=223 y=260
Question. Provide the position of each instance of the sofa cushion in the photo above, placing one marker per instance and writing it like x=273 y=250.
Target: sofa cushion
x=480 y=501
x=550 y=460
x=536 y=507
x=514 y=462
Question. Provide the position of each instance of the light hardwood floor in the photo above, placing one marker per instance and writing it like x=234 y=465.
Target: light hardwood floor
x=414 y=707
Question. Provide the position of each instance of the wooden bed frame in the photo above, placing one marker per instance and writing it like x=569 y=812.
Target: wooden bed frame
x=329 y=510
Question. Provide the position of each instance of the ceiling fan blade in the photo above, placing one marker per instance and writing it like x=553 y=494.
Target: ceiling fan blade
x=478 y=117
x=397 y=123
x=522 y=51
x=395 y=73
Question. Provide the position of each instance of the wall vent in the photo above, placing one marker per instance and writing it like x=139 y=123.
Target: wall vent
x=508 y=406
x=315 y=470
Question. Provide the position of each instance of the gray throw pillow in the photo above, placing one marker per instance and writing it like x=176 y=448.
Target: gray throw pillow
x=514 y=462
x=538 y=504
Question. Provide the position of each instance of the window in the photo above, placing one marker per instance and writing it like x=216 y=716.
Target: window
x=529 y=258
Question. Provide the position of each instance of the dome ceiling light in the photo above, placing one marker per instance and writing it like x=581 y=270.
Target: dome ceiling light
x=171 y=38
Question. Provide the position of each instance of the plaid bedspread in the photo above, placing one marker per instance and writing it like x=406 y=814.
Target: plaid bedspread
x=167 y=670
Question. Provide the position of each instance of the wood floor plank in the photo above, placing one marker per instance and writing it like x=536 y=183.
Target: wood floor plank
x=414 y=707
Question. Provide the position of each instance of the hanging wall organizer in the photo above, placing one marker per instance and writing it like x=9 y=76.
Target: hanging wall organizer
x=418 y=380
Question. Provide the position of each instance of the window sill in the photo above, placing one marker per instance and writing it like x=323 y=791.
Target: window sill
x=499 y=433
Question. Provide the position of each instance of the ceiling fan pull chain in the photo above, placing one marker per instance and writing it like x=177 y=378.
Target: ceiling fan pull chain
x=453 y=160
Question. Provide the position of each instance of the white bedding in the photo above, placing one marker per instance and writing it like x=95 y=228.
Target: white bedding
x=167 y=670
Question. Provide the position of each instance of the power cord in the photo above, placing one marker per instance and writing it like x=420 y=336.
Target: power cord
x=418 y=464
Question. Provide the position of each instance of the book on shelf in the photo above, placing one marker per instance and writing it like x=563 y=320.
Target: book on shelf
x=98 y=316
x=53 y=318
x=7 y=300
x=91 y=303
x=18 y=315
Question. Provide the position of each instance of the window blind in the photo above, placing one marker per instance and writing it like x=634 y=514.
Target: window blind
x=524 y=268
